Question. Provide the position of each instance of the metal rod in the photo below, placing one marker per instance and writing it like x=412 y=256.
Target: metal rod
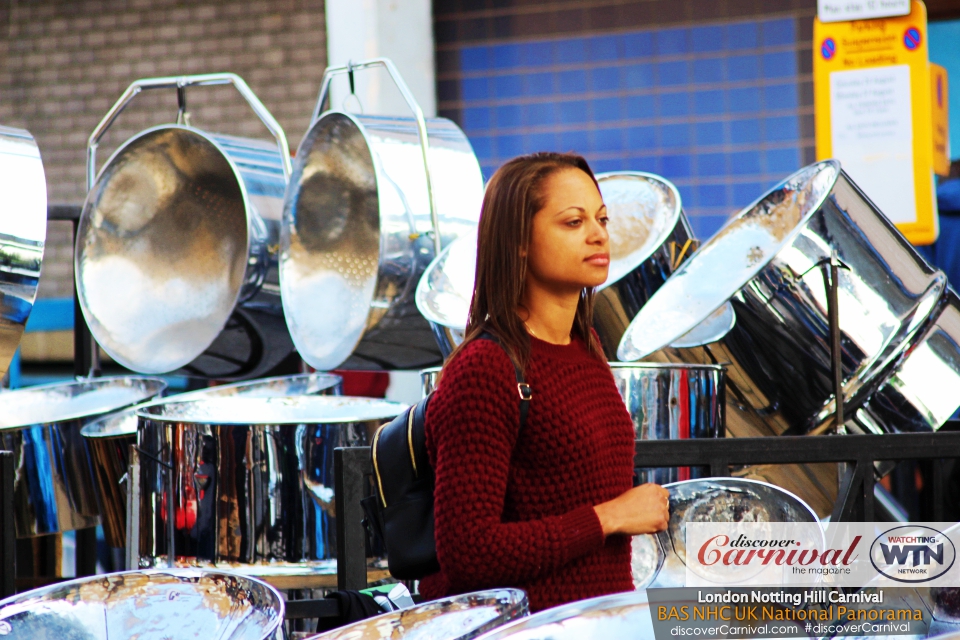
x=8 y=531
x=171 y=513
x=836 y=364
x=133 y=510
x=86 y=352
x=85 y=559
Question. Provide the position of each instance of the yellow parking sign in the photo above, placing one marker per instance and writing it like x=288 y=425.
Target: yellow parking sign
x=872 y=105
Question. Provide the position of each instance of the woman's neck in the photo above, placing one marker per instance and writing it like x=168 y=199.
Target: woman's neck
x=547 y=315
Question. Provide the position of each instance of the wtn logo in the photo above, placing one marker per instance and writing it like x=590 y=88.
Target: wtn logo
x=912 y=553
x=922 y=554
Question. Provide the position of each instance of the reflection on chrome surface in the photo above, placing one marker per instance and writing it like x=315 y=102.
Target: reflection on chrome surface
x=23 y=229
x=53 y=487
x=457 y=618
x=357 y=233
x=253 y=478
x=192 y=221
x=764 y=264
x=109 y=439
x=672 y=402
x=711 y=500
x=147 y=605
x=623 y=616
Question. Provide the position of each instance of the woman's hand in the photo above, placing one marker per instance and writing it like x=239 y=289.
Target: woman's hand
x=643 y=509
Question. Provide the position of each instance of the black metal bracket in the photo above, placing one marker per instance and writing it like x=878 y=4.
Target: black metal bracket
x=8 y=530
x=351 y=465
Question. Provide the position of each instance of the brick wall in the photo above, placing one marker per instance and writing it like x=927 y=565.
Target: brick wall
x=715 y=95
x=63 y=63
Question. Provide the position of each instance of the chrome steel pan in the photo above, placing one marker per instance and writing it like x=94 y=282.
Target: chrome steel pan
x=762 y=268
x=253 y=479
x=659 y=561
x=672 y=402
x=649 y=238
x=147 y=605
x=624 y=616
x=23 y=229
x=922 y=390
x=109 y=438
x=192 y=220
x=457 y=618
x=363 y=217
x=54 y=486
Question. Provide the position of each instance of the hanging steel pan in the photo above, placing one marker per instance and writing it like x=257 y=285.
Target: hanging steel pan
x=147 y=605
x=764 y=264
x=54 y=488
x=457 y=618
x=109 y=438
x=191 y=219
x=252 y=478
x=922 y=390
x=623 y=616
x=371 y=202
x=672 y=402
x=659 y=560
x=23 y=229
x=649 y=238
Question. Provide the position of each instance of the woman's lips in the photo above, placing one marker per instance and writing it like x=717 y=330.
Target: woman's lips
x=599 y=259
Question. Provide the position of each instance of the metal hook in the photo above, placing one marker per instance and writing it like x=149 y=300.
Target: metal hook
x=353 y=86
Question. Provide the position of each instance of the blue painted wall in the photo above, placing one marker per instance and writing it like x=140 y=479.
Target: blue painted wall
x=713 y=108
x=945 y=51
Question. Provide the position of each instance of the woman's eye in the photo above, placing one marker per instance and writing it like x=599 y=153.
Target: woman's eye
x=576 y=222
x=604 y=220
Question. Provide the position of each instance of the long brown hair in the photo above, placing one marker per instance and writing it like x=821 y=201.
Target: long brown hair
x=512 y=197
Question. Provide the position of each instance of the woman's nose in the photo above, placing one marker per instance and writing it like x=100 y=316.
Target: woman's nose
x=598 y=233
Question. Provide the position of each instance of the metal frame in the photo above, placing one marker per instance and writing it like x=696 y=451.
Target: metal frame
x=854 y=502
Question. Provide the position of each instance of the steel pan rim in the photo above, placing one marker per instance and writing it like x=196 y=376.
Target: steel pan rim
x=814 y=169
x=286 y=295
x=423 y=290
x=188 y=574
x=666 y=366
x=568 y=611
x=99 y=382
x=396 y=408
x=653 y=246
x=99 y=430
x=81 y=294
x=749 y=481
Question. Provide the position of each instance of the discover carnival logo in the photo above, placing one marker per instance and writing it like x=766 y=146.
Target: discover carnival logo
x=912 y=553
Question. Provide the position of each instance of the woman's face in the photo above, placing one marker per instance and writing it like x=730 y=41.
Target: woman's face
x=569 y=243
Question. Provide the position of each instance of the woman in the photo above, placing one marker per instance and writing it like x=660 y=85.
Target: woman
x=547 y=509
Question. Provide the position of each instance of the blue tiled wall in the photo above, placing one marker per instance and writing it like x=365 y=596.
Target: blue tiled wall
x=713 y=108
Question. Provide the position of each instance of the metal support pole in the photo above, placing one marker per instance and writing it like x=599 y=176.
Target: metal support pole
x=8 y=531
x=133 y=510
x=349 y=464
x=835 y=354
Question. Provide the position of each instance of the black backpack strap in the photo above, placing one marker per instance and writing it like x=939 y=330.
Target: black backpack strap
x=523 y=389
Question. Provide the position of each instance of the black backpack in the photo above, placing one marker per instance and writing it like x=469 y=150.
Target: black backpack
x=400 y=513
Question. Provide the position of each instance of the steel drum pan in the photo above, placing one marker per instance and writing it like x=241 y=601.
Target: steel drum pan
x=622 y=616
x=659 y=560
x=53 y=487
x=457 y=618
x=649 y=238
x=672 y=402
x=109 y=438
x=363 y=217
x=252 y=480
x=147 y=605
x=764 y=265
x=191 y=219
x=23 y=229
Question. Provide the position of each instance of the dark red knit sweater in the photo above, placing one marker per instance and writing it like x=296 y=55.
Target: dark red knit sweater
x=519 y=513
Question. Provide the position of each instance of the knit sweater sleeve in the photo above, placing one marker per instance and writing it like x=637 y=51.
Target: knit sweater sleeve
x=472 y=428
